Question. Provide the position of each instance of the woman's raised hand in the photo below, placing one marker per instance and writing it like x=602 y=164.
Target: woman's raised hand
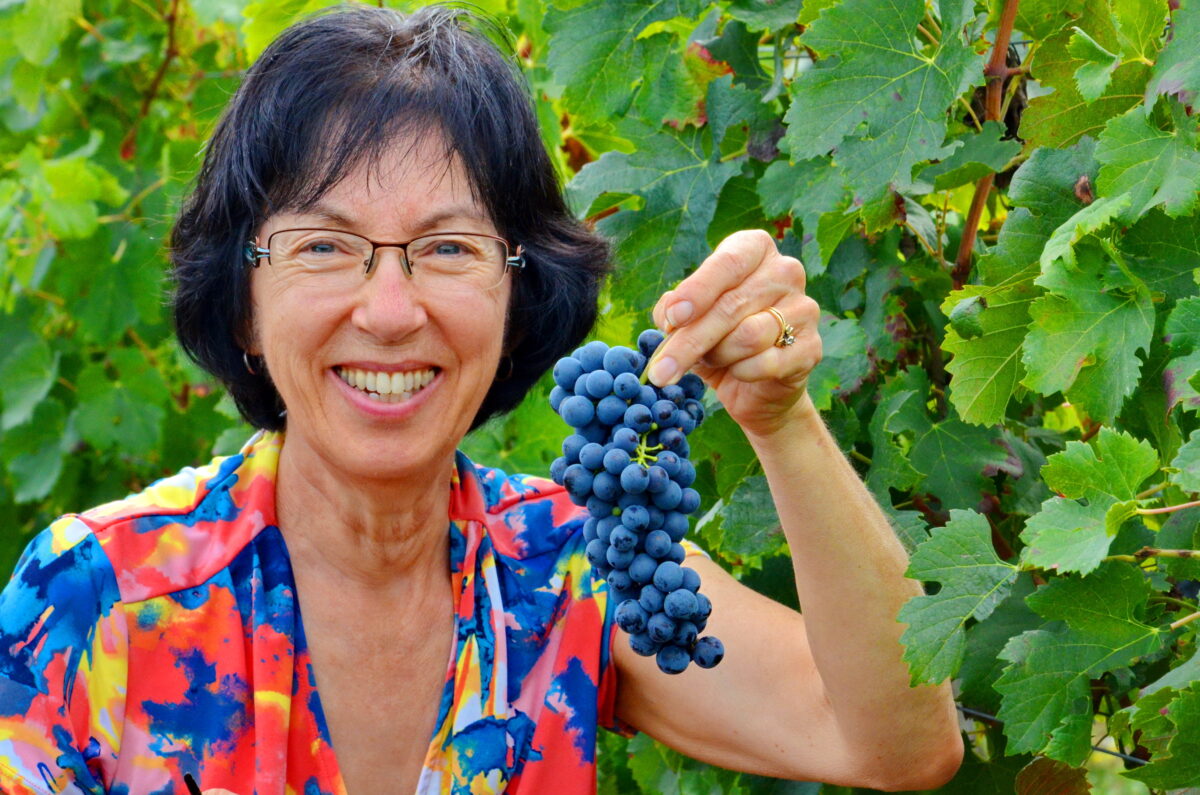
x=726 y=333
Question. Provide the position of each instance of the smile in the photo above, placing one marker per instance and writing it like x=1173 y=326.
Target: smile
x=386 y=387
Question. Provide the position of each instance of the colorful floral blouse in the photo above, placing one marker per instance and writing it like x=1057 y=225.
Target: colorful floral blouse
x=160 y=636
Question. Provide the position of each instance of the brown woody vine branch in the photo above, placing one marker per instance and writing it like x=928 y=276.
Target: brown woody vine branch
x=995 y=72
x=130 y=141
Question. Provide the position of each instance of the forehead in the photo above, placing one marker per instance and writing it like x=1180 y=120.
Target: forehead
x=413 y=179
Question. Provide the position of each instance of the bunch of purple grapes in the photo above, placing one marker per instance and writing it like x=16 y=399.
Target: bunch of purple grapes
x=627 y=462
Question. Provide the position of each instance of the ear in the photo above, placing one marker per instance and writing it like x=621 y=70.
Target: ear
x=246 y=334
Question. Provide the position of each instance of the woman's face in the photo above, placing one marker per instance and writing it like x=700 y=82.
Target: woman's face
x=316 y=336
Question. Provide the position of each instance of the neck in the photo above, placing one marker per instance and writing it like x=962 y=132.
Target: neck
x=369 y=532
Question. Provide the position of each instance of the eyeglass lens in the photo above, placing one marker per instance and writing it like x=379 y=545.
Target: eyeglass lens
x=450 y=261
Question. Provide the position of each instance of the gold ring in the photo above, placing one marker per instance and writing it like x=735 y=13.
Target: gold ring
x=787 y=334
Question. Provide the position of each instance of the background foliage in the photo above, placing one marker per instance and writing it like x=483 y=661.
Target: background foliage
x=1004 y=236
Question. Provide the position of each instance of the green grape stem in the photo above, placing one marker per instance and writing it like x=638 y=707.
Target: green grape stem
x=645 y=455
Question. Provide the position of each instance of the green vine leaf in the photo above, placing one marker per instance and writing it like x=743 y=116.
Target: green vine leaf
x=597 y=53
x=28 y=369
x=980 y=154
x=875 y=94
x=1114 y=464
x=1085 y=337
x=1063 y=116
x=1091 y=219
x=1093 y=76
x=974 y=580
x=1176 y=72
x=1179 y=765
x=1045 y=690
x=1072 y=536
x=953 y=456
x=1148 y=165
x=679 y=181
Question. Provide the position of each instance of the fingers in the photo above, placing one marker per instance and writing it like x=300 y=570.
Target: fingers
x=758 y=333
x=719 y=312
x=734 y=260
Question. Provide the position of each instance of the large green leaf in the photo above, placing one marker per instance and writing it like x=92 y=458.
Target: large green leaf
x=1149 y=165
x=1086 y=335
x=980 y=154
x=1045 y=690
x=987 y=368
x=125 y=412
x=28 y=369
x=953 y=456
x=1067 y=535
x=876 y=95
x=39 y=26
x=1114 y=464
x=1177 y=69
x=1179 y=766
x=596 y=51
x=1062 y=116
x=33 y=452
x=679 y=181
x=973 y=579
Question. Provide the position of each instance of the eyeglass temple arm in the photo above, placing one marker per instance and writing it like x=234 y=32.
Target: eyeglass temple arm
x=516 y=261
x=254 y=252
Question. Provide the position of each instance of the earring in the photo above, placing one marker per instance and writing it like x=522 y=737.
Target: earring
x=246 y=361
x=508 y=371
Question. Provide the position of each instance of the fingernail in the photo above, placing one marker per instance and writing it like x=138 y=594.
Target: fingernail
x=679 y=313
x=663 y=371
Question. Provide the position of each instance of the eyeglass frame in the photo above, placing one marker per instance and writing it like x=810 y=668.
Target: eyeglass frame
x=254 y=252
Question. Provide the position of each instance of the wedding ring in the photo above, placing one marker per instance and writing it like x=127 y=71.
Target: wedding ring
x=787 y=334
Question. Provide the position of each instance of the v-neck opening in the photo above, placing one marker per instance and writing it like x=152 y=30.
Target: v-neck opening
x=334 y=776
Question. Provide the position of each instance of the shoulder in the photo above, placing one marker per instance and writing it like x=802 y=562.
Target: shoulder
x=526 y=515
x=182 y=529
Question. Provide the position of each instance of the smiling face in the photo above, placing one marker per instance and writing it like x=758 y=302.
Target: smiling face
x=381 y=376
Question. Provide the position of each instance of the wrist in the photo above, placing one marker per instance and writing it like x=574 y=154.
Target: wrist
x=801 y=418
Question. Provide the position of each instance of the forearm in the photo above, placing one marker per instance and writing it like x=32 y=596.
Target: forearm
x=849 y=569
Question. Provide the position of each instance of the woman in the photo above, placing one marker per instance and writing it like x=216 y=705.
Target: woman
x=377 y=258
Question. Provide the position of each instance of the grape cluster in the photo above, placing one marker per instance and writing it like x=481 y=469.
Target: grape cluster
x=627 y=462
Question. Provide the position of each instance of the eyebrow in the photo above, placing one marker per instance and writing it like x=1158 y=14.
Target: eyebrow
x=330 y=215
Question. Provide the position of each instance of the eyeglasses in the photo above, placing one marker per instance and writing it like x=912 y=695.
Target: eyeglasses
x=457 y=261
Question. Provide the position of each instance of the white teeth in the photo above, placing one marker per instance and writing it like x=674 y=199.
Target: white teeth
x=387 y=387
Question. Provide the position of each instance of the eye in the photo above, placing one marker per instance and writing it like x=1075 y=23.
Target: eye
x=323 y=247
x=447 y=249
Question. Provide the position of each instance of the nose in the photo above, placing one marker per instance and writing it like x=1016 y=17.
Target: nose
x=389 y=305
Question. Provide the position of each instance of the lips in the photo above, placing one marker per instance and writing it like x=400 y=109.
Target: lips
x=387 y=387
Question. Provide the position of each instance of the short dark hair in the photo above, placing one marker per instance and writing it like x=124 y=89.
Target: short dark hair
x=335 y=91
